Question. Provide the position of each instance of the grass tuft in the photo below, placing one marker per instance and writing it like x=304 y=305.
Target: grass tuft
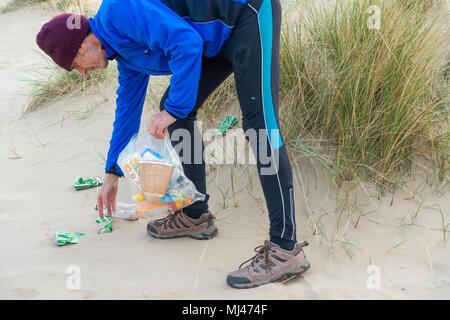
x=50 y=83
x=14 y=5
x=376 y=97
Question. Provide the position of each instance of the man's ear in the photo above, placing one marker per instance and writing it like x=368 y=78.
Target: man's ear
x=83 y=47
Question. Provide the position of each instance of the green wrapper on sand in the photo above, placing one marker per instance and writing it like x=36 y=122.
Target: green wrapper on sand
x=62 y=237
x=81 y=184
x=107 y=227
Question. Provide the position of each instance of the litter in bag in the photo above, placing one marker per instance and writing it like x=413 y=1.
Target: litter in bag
x=157 y=175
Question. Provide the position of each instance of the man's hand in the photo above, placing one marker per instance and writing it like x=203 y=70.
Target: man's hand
x=107 y=195
x=158 y=123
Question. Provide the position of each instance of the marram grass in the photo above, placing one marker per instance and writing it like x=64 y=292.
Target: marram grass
x=52 y=83
x=86 y=7
x=13 y=5
x=373 y=95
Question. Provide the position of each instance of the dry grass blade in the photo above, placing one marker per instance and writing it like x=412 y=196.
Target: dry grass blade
x=15 y=154
x=396 y=246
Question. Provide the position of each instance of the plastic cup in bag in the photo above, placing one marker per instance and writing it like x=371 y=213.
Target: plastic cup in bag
x=154 y=178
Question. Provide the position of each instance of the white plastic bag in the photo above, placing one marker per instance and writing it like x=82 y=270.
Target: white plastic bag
x=152 y=158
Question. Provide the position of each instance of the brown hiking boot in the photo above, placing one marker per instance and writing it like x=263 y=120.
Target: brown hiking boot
x=178 y=224
x=268 y=265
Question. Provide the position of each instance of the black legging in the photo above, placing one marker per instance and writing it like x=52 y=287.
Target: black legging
x=252 y=53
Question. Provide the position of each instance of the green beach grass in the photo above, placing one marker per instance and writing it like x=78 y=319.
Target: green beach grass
x=377 y=98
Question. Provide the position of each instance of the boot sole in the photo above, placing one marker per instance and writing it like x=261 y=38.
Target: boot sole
x=293 y=272
x=204 y=234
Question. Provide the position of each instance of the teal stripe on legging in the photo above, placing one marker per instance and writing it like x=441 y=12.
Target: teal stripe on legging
x=266 y=29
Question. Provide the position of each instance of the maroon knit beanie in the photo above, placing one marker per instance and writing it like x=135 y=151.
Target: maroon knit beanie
x=62 y=36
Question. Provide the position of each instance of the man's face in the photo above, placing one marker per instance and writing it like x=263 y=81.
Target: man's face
x=89 y=58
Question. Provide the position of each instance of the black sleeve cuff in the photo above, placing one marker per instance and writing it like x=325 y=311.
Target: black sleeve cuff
x=112 y=170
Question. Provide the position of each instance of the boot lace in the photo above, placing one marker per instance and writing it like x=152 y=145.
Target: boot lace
x=169 y=220
x=262 y=253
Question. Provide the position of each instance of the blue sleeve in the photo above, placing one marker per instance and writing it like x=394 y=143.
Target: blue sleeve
x=150 y=22
x=130 y=101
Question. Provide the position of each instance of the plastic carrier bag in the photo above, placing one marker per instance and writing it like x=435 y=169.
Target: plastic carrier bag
x=155 y=169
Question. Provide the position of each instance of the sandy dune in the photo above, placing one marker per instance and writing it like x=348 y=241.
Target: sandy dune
x=56 y=147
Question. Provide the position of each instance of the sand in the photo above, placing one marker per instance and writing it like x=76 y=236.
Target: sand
x=57 y=146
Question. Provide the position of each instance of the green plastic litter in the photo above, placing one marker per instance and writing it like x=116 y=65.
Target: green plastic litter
x=63 y=237
x=104 y=219
x=107 y=227
x=81 y=183
x=229 y=122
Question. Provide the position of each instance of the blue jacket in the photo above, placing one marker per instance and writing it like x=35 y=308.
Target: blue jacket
x=154 y=37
